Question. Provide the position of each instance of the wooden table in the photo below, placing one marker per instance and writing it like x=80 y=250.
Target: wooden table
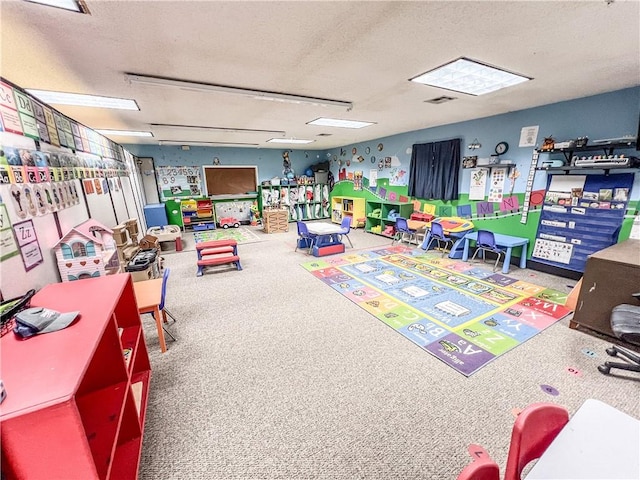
x=598 y=442
x=149 y=295
x=502 y=241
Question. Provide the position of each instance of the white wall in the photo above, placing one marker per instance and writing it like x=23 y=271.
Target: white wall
x=14 y=279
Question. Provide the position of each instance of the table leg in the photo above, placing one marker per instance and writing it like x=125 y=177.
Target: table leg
x=523 y=258
x=465 y=252
x=158 y=317
x=507 y=260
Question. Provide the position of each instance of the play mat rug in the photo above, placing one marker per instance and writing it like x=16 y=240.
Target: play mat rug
x=240 y=235
x=462 y=314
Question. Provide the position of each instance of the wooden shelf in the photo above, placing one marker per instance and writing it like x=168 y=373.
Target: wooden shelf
x=83 y=408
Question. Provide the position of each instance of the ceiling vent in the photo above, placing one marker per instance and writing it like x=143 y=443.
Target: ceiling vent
x=439 y=100
x=324 y=134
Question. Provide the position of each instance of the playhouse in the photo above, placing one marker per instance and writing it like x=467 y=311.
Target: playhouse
x=87 y=250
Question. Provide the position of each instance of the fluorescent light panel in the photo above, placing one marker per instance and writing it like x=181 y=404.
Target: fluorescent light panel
x=126 y=133
x=289 y=140
x=81 y=100
x=471 y=77
x=72 y=5
x=336 y=122
x=216 y=129
x=256 y=94
x=212 y=144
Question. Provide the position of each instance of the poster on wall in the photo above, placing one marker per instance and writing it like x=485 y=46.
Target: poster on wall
x=28 y=242
x=178 y=182
x=496 y=185
x=478 y=183
x=528 y=136
x=373 y=177
x=8 y=247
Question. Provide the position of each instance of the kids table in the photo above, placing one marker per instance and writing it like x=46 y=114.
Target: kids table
x=502 y=241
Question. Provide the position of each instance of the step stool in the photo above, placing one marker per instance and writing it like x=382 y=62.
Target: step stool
x=217 y=252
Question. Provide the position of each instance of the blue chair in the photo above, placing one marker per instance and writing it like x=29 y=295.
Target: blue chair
x=402 y=229
x=165 y=312
x=346 y=228
x=437 y=233
x=305 y=238
x=487 y=243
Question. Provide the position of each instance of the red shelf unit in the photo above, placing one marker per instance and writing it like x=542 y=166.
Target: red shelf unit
x=75 y=406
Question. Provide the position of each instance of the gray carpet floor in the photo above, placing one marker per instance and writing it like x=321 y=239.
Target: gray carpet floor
x=276 y=376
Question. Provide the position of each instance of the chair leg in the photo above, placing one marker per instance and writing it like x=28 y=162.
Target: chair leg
x=168 y=333
x=495 y=267
x=474 y=255
x=351 y=244
x=170 y=315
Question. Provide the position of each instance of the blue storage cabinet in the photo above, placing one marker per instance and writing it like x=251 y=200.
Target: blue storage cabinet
x=156 y=215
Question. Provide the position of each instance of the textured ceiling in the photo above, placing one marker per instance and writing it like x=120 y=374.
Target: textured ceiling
x=361 y=52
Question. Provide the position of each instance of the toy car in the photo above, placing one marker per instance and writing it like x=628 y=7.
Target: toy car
x=227 y=222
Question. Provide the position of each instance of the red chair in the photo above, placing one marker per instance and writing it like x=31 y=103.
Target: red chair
x=482 y=467
x=533 y=431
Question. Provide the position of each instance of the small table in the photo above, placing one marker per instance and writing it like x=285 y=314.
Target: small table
x=149 y=296
x=502 y=241
x=598 y=442
x=454 y=227
x=326 y=232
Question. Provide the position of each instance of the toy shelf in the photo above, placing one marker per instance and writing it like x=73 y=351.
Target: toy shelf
x=83 y=407
x=304 y=201
x=353 y=207
x=378 y=215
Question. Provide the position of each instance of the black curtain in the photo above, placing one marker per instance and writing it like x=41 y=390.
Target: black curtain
x=434 y=170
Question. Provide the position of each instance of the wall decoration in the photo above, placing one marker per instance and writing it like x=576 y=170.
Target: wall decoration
x=28 y=242
x=496 y=185
x=387 y=162
x=373 y=177
x=179 y=182
x=357 y=180
x=528 y=136
x=398 y=177
x=380 y=147
x=469 y=162
x=8 y=246
x=478 y=183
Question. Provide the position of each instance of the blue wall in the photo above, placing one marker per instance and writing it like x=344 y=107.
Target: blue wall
x=607 y=115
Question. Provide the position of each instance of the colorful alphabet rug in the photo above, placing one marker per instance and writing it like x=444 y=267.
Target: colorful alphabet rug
x=462 y=313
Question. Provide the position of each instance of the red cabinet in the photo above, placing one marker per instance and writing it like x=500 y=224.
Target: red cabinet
x=76 y=398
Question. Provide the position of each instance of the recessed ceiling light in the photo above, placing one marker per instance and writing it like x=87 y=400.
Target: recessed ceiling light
x=126 y=133
x=81 y=100
x=468 y=76
x=289 y=140
x=216 y=129
x=73 y=5
x=336 y=122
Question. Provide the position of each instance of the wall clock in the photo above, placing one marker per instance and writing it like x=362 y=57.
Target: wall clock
x=501 y=148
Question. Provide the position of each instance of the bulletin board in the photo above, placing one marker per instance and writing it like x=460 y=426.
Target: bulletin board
x=230 y=180
x=581 y=214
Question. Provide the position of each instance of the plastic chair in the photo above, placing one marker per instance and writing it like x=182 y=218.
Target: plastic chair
x=533 y=431
x=402 y=229
x=482 y=468
x=346 y=228
x=625 y=324
x=487 y=243
x=437 y=233
x=165 y=312
x=305 y=238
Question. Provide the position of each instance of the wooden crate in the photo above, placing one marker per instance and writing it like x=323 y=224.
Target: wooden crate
x=275 y=221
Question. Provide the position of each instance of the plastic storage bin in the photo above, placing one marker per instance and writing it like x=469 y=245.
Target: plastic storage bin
x=156 y=215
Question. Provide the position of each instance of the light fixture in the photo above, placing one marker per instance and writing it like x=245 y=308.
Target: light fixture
x=206 y=144
x=289 y=140
x=125 y=133
x=81 y=100
x=336 y=122
x=256 y=94
x=72 y=5
x=469 y=76
x=216 y=129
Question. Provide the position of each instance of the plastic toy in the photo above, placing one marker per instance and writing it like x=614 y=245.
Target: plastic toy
x=227 y=222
